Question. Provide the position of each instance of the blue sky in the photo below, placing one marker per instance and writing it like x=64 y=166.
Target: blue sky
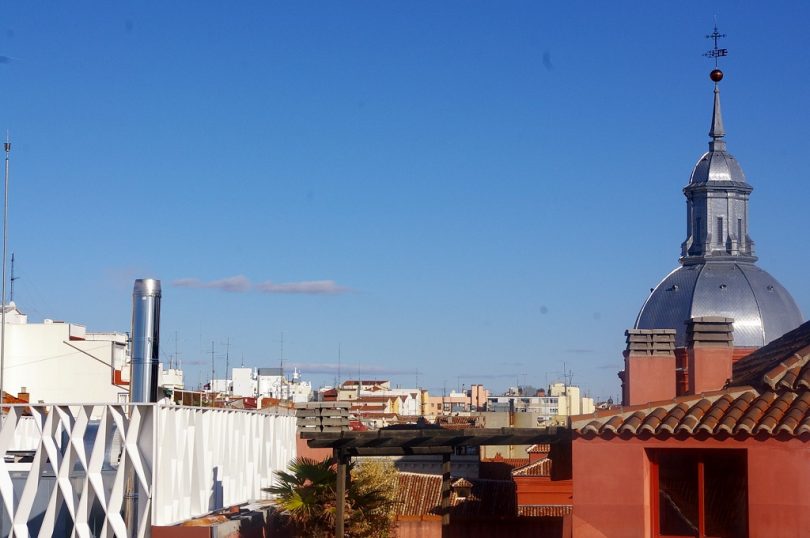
x=477 y=191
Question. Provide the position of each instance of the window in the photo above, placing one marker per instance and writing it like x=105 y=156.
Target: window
x=699 y=493
x=720 y=230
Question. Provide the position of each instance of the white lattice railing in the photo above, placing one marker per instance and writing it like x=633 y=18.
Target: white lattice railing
x=72 y=469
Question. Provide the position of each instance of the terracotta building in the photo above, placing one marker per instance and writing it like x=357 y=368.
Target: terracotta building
x=540 y=488
x=731 y=462
x=713 y=436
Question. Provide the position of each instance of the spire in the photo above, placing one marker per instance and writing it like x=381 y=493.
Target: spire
x=717 y=193
x=717 y=132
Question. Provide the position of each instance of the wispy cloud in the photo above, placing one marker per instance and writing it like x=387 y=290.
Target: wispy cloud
x=322 y=287
x=241 y=284
x=233 y=284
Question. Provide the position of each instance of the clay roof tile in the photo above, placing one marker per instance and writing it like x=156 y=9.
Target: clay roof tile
x=632 y=423
x=653 y=420
x=804 y=378
x=776 y=411
x=735 y=412
x=673 y=418
x=613 y=424
x=755 y=412
x=804 y=426
x=795 y=415
x=694 y=416
x=715 y=414
x=592 y=427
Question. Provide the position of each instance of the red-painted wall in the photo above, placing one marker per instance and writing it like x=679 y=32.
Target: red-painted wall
x=542 y=490
x=709 y=368
x=649 y=378
x=612 y=489
x=318 y=454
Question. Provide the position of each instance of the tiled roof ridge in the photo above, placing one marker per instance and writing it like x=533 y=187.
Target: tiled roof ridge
x=544 y=510
x=544 y=465
x=789 y=371
x=624 y=412
x=752 y=368
x=409 y=473
x=771 y=413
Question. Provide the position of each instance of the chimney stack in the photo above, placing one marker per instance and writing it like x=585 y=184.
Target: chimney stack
x=649 y=366
x=145 y=339
x=710 y=347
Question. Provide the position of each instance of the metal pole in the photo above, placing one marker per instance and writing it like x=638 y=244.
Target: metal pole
x=7 y=147
x=340 y=493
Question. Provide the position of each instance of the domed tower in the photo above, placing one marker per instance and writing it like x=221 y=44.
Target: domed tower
x=718 y=306
x=718 y=275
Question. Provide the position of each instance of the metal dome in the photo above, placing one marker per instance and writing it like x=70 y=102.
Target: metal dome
x=718 y=275
x=762 y=309
x=717 y=166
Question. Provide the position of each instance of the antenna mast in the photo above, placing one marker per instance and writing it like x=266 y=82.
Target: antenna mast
x=213 y=373
x=7 y=147
x=12 y=279
x=227 y=359
x=281 y=362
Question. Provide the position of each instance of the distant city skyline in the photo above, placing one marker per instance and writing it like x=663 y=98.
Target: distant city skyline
x=475 y=192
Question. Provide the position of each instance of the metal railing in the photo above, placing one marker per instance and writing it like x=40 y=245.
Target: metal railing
x=84 y=470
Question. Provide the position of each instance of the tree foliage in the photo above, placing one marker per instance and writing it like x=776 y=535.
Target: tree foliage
x=306 y=494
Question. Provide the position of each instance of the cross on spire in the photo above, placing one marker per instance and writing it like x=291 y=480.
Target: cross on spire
x=715 y=52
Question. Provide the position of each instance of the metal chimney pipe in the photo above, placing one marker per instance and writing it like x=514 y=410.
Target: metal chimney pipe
x=145 y=339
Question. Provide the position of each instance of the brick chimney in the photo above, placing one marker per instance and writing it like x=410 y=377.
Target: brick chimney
x=710 y=348
x=649 y=366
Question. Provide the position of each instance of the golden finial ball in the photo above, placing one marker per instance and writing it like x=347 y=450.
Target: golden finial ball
x=716 y=75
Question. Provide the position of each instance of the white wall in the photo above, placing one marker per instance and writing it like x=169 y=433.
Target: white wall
x=55 y=369
x=243 y=382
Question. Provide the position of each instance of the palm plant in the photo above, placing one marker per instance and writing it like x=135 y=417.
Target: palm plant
x=306 y=494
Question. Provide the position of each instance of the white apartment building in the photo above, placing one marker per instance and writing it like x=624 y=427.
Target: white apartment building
x=60 y=362
x=265 y=383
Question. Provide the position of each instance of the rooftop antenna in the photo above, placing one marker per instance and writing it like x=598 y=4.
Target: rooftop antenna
x=337 y=384
x=281 y=362
x=12 y=279
x=227 y=359
x=213 y=373
x=7 y=147
x=176 y=354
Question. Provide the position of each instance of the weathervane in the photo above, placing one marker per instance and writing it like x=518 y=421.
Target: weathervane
x=716 y=75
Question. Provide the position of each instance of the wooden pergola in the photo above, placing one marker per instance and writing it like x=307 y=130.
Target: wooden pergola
x=419 y=440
